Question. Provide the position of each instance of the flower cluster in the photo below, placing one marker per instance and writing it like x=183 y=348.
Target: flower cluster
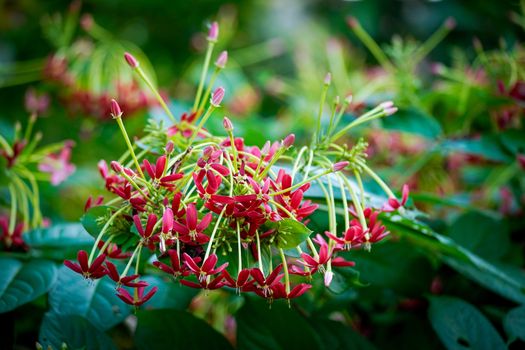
x=22 y=162
x=213 y=212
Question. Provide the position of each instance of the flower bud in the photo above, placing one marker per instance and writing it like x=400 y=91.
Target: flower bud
x=339 y=166
x=227 y=124
x=450 y=23
x=217 y=97
x=222 y=60
x=352 y=22
x=266 y=148
x=213 y=32
x=116 y=166
x=132 y=61
x=390 y=111
x=116 y=112
x=169 y=147
x=288 y=141
x=348 y=99
x=327 y=79
x=86 y=22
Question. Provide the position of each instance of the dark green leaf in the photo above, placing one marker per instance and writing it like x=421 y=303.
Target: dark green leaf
x=94 y=300
x=514 y=324
x=460 y=325
x=58 y=241
x=169 y=328
x=336 y=336
x=291 y=233
x=74 y=331
x=91 y=221
x=457 y=257
x=278 y=327
x=413 y=121
x=24 y=281
x=481 y=234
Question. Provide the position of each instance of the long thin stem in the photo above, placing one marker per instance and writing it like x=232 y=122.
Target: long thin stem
x=204 y=72
x=159 y=98
x=102 y=231
x=130 y=146
x=286 y=274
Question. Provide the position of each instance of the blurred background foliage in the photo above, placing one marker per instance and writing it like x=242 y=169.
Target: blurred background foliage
x=456 y=138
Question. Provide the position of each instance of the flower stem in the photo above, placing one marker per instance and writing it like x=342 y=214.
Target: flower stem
x=159 y=98
x=128 y=143
x=104 y=228
x=208 y=90
x=286 y=274
x=259 y=256
x=204 y=72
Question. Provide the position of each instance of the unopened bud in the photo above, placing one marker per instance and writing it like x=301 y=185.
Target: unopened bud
x=132 y=61
x=339 y=166
x=213 y=32
x=450 y=23
x=116 y=166
x=352 y=22
x=266 y=148
x=327 y=79
x=217 y=97
x=222 y=60
x=169 y=147
x=289 y=140
x=390 y=111
x=116 y=112
x=337 y=100
x=348 y=99
x=387 y=104
x=86 y=22
x=227 y=124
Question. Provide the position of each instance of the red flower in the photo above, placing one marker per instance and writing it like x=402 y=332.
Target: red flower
x=264 y=286
x=126 y=281
x=148 y=239
x=156 y=172
x=13 y=239
x=279 y=291
x=95 y=271
x=352 y=238
x=192 y=231
x=317 y=262
x=207 y=268
x=242 y=279
x=138 y=297
x=176 y=269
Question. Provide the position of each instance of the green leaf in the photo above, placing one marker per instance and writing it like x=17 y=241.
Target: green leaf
x=90 y=220
x=460 y=325
x=481 y=234
x=168 y=328
x=74 y=331
x=487 y=146
x=336 y=335
x=170 y=294
x=291 y=233
x=58 y=241
x=461 y=259
x=278 y=327
x=22 y=282
x=413 y=121
x=514 y=324
x=94 y=300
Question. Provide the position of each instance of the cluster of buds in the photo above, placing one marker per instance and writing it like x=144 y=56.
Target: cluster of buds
x=23 y=162
x=213 y=212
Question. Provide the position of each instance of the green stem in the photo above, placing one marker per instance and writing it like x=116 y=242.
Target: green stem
x=374 y=48
x=101 y=234
x=159 y=98
x=12 y=216
x=128 y=143
x=286 y=274
x=208 y=90
x=204 y=72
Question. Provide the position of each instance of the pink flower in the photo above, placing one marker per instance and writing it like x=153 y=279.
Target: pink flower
x=393 y=204
x=58 y=165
